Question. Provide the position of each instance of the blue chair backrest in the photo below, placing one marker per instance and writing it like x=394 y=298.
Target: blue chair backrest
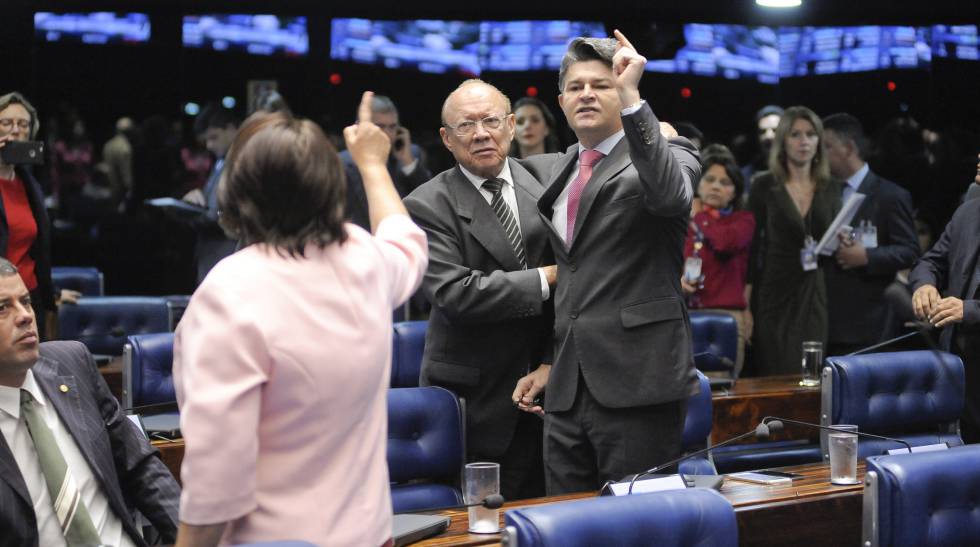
x=715 y=339
x=84 y=279
x=102 y=323
x=697 y=428
x=913 y=395
x=676 y=518
x=425 y=447
x=408 y=345
x=148 y=377
x=923 y=500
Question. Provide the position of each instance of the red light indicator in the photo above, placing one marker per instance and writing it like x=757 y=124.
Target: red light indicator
x=531 y=91
x=686 y=92
x=335 y=79
x=891 y=85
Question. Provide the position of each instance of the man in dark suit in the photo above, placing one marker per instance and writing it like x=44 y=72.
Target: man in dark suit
x=617 y=211
x=73 y=468
x=952 y=265
x=405 y=164
x=218 y=127
x=859 y=314
x=489 y=283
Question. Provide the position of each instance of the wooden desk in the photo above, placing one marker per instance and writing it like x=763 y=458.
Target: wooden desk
x=172 y=454
x=809 y=512
x=742 y=407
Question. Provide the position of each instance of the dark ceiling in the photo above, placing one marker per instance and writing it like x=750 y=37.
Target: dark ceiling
x=813 y=12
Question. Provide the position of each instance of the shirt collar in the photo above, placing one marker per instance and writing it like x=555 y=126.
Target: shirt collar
x=606 y=145
x=10 y=396
x=504 y=175
x=855 y=180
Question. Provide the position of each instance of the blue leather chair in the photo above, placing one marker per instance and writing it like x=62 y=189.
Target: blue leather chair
x=676 y=518
x=912 y=395
x=148 y=361
x=102 y=323
x=425 y=448
x=715 y=340
x=697 y=429
x=928 y=499
x=408 y=344
x=84 y=279
x=178 y=305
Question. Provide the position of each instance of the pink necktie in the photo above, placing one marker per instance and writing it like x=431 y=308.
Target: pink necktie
x=586 y=161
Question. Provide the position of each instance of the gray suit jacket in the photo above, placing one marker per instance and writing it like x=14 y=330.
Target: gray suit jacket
x=488 y=326
x=128 y=469
x=620 y=317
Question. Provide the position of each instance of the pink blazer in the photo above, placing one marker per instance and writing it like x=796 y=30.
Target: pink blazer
x=281 y=367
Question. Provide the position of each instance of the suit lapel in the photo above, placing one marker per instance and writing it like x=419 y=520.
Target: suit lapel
x=867 y=187
x=968 y=234
x=608 y=168
x=10 y=473
x=528 y=191
x=483 y=223
x=68 y=405
x=558 y=180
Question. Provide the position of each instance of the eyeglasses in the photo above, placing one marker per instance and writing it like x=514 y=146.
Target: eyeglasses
x=8 y=124
x=467 y=128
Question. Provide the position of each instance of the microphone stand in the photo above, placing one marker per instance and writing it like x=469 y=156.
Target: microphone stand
x=761 y=432
x=770 y=420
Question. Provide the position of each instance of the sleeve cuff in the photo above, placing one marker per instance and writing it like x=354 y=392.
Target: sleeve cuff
x=545 y=289
x=632 y=108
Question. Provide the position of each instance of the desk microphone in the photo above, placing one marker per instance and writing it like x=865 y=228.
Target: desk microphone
x=761 y=433
x=728 y=363
x=776 y=424
x=493 y=501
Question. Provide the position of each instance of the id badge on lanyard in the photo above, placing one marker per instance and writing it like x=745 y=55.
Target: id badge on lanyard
x=808 y=254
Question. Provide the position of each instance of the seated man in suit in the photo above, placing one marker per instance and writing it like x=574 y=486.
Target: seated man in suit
x=405 y=163
x=859 y=315
x=73 y=468
x=489 y=275
x=616 y=210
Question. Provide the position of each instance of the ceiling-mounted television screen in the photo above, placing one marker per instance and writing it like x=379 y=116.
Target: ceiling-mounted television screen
x=728 y=51
x=530 y=45
x=251 y=34
x=806 y=51
x=955 y=42
x=92 y=28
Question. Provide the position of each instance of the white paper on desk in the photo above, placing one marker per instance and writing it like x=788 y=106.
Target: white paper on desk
x=673 y=482
x=829 y=242
x=924 y=448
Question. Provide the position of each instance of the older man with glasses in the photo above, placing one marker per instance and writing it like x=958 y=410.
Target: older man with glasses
x=489 y=280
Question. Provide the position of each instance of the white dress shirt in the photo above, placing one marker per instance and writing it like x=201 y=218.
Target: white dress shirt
x=510 y=198
x=854 y=182
x=19 y=440
x=560 y=216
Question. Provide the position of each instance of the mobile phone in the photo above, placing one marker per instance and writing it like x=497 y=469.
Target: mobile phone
x=760 y=477
x=399 y=139
x=787 y=474
x=23 y=153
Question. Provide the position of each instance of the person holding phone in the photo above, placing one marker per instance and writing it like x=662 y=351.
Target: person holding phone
x=405 y=162
x=25 y=237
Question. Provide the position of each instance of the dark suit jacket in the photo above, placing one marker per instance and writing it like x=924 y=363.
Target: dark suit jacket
x=212 y=242
x=127 y=468
x=41 y=250
x=357 y=208
x=858 y=312
x=620 y=317
x=951 y=265
x=488 y=325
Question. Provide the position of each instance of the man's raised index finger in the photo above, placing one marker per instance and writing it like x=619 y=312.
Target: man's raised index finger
x=622 y=39
x=364 y=110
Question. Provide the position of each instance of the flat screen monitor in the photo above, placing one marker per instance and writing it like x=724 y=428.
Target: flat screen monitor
x=806 y=51
x=92 y=28
x=530 y=45
x=728 y=51
x=955 y=42
x=251 y=34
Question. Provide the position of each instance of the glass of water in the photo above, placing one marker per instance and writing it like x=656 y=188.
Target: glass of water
x=482 y=479
x=812 y=361
x=843 y=454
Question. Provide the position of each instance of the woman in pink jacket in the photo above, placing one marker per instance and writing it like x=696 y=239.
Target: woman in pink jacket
x=282 y=360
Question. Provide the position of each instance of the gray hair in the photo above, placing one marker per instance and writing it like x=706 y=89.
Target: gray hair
x=16 y=98
x=586 y=49
x=7 y=268
x=381 y=104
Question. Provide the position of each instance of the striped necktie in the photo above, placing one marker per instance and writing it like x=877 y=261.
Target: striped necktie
x=76 y=523
x=506 y=218
x=587 y=161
